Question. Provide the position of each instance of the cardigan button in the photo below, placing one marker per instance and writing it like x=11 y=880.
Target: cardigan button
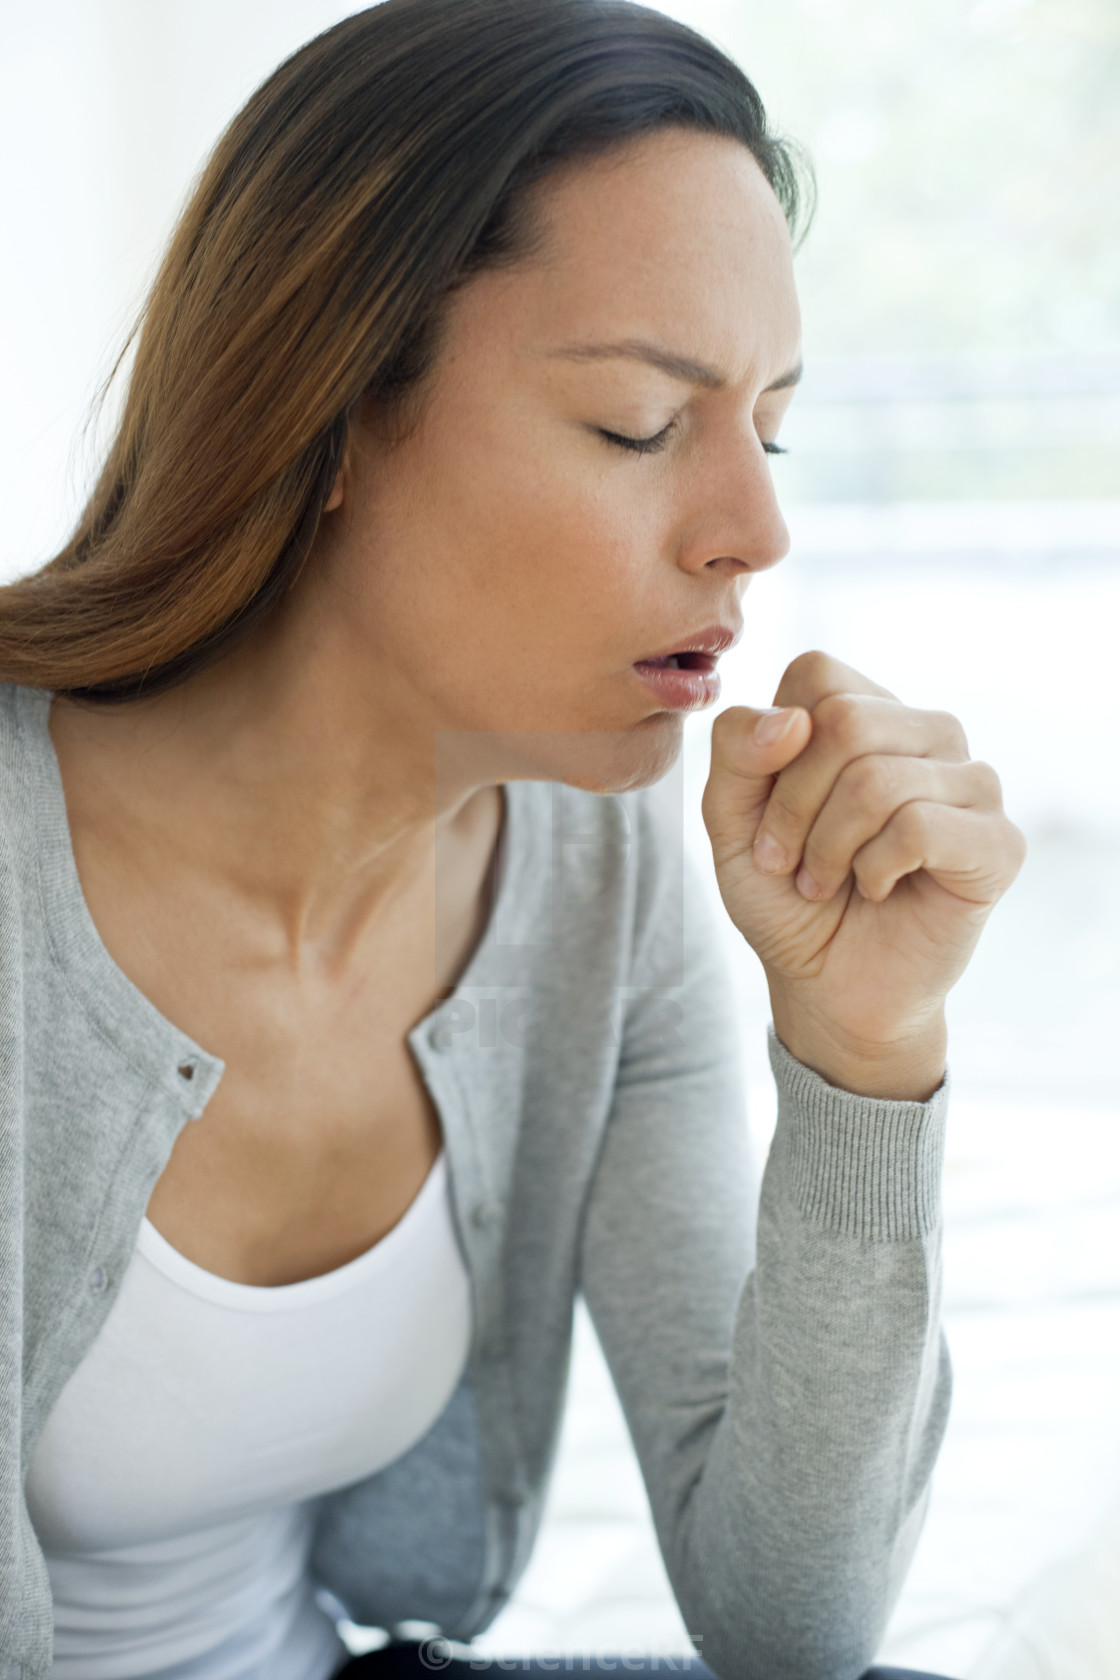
x=98 y=1279
x=486 y=1214
x=439 y=1037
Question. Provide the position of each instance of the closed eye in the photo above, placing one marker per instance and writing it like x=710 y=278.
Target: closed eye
x=650 y=445
x=640 y=446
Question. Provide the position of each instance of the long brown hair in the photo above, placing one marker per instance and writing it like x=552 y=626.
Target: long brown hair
x=375 y=170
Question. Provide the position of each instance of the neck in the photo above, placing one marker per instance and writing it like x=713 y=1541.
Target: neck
x=282 y=775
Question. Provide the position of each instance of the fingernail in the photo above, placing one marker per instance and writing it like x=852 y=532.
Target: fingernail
x=806 y=885
x=772 y=725
x=768 y=855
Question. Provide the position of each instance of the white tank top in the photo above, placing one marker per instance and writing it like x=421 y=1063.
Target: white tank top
x=172 y=1486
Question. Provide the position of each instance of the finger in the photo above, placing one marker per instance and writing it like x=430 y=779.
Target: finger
x=973 y=854
x=749 y=748
x=846 y=727
x=812 y=677
x=865 y=797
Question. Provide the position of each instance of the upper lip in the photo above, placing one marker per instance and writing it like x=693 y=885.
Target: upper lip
x=713 y=639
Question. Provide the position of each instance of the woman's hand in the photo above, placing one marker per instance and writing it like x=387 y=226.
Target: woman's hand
x=859 y=851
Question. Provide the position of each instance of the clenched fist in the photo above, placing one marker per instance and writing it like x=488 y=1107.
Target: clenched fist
x=859 y=851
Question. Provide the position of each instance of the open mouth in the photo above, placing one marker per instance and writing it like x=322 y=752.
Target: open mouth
x=683 y=681
x=684 y=662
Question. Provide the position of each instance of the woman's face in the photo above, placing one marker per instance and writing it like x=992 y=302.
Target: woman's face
x=505 y=566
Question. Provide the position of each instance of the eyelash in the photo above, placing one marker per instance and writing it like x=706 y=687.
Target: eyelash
x=651 y=445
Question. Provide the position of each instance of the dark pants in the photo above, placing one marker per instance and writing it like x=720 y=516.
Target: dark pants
x=410 y=1660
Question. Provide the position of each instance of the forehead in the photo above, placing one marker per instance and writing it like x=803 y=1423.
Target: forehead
x=677 y=236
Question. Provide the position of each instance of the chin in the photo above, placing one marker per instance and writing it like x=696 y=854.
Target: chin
x=561 y=742
x=612 y=760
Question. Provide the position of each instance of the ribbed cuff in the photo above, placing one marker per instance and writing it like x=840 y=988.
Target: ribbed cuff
x=860 y=1166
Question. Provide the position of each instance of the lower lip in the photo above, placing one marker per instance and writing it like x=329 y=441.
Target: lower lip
x=684 y=691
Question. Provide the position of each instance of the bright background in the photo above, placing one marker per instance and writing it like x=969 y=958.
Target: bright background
x=954 y=500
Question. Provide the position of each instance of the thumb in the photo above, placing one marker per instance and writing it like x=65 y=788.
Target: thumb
x=749 y=749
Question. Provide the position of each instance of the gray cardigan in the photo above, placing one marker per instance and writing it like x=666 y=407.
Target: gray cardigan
x=777 y=1357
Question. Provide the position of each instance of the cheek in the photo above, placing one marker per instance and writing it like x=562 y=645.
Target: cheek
x=516 y=527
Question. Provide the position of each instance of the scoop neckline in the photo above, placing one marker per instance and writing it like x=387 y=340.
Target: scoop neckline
x=221 y=1291
x=127 y=1014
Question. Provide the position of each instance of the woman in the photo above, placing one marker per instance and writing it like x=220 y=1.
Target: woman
x=354 y=1015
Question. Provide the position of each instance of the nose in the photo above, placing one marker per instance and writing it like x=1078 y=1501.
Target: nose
x=734 y=524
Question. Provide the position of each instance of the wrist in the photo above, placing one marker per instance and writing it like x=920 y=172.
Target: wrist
x=906 y=1067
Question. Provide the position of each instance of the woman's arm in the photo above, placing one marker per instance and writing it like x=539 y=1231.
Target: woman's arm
x=786 y=1414
x=787 y=1401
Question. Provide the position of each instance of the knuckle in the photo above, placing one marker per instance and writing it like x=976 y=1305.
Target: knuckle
x=1017 y=848
x=841 y=719
x=813 y=666
x=869 y=782
x=809 y=678
x=912 y=824
x=948 y=733
x=987 y=782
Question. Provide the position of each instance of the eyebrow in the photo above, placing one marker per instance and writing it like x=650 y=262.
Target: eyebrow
x=677 y=367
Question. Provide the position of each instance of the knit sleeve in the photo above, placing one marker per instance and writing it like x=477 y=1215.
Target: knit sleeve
x=776 y=1353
